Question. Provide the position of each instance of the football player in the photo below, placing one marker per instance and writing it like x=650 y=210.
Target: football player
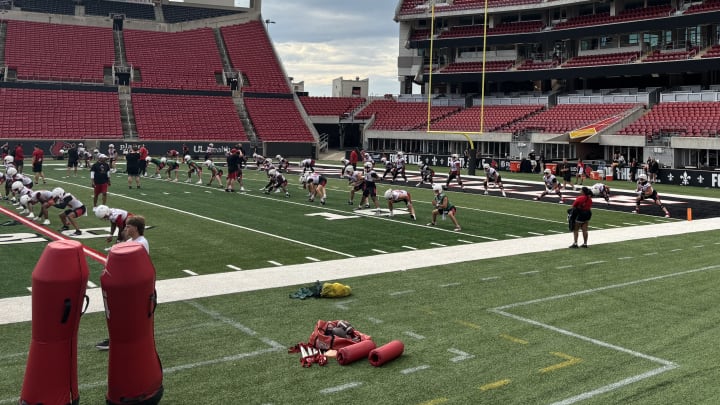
x=277 y=182
x=551 y=185
x=399 y=167
x=172 y=168
x=215 y=173
x=426 y=174
x=389 y=167
x=283 y=164
x=370 y=188
x=346 y=164
x=393 y=196
x=193 y=168
x=442 y=206
x=645 y=191
x=159 y=165
x=492 y=175
x=455 y=166
x=316 y=185
x=75 y=209
x=356 y=179
x=601 y=190
x=45 y=199
x=308 y=165
x=117 y=218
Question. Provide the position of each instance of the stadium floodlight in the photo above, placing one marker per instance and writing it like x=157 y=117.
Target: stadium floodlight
x=267 y=24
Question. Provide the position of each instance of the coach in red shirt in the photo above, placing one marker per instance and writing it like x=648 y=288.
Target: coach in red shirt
x=37 y=163
x=19 y=157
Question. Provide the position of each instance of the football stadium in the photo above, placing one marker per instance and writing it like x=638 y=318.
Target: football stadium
x=182 y=223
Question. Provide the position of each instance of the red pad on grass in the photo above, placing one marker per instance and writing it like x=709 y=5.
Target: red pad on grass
x=353 y=353
x=386 y=353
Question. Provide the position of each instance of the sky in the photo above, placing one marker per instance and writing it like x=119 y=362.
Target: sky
x=321 y=40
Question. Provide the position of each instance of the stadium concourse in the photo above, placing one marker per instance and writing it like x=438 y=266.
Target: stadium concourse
x=705 y=211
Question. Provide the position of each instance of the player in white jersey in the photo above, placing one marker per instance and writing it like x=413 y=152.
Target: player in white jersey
x=45 y=199
x=370 y=189
x=346 y=164
x=118 y=219
x=74 y=209
x=20 y=191
x=215 y=173
x=277 y=182
x=388 y=165
x=551 y=185
x=646 y=191
x=259 y=159
x=308 y=165
x=491 y=174
x=601 y=190
x=455 y=166
x=393 y=196
x=400 y=163
x=316 y=185
x=356 y=180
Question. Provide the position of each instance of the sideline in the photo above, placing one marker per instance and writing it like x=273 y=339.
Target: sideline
x=18 y=309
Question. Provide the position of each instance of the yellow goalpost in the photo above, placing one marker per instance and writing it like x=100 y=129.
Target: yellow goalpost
x=467 y=134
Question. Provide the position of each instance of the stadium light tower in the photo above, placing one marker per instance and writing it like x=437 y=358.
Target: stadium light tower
x=267 y=24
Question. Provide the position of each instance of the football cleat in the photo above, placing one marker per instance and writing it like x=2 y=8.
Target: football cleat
x=322 y=201
x=46 y=222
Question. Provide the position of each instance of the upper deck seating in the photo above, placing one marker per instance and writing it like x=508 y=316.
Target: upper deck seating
x=186 y=117
x=490 y=66
x=330 y=106
x=658 y=56
x=251 y=52
x=391 y=115
x=495 y=118
x=678 y=118
x=26 y=113
x=176 y=14
x=710 y=5
x=43 y=51
x=602 y=59
x=567 y=117
x=66 y=7
x=277 y=120
x=175 y=60
x=530 y=64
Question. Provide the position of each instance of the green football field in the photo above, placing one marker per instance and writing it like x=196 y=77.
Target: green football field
x=625 y=322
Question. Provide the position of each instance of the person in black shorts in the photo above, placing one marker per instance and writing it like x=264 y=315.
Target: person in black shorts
x=73 y=158
x=132 y=161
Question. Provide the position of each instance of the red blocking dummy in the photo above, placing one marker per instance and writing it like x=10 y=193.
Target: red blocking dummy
x=388 y=352
x=128 y=287
x=352 y=353
x=59 y=281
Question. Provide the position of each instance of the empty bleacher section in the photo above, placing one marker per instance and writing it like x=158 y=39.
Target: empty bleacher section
x=186 y=117
x=504 y=28
x=713 y=52
x=330 y=106
x=175 y=60
x=711 y=5
x=678 y=118
x=277 y=120
x=104 y=8
x=616 y=58
x=175 y=14
x=567 y=117
x=530 y=64
x=251 y=53
x=391 y=115
x=66 y=7
x=635 y=14
x=495 y=118
x=490 y=66
x=421 y=6
x=26 y=113
x=43 y=51
x=661 y=56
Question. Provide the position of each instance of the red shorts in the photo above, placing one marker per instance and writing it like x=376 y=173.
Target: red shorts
x=232 y=175
x=100 y=188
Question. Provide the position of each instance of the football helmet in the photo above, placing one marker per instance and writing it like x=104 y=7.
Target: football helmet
x=486 y=166
x=147 y=159
x=210 y=145
x=102 y=211
x=368 y=165
x=383 y=160
x=11 y=172
x=455 y=156
x=208 y=163
x=81 y=144
x=388 y=194
x=278 y=157
x=187 y=158
x=163 y=160
x=17 y=186
x=9 y=159
x=349 y=171
x=111 y=146
x=58 y=192
x=272 y=172
x=642 y=177
x=437 y=188
x=547 y=171
x=24 y=200
x=399 y=153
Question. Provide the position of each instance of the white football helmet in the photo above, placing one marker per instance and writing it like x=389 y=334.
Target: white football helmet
x=272 y=172
x=187 y=158
x=163 y=160
x=642 y=178
x=9 y=159
x=368 y=165
x=147 y=159
x=278 y=157
x=11 y=172
x=58 y=192
x=349 y=170
x=388 y=194
x=455 y=156
x=24 y=200
x=437 y=188
x=96 y=151
x=17 y=186
x=208 y=163
x=383 y=160
x=399 y=153
x=547 y=171
x=210 y=145
x=486 y=166
x=111 y=146
x=102 y=211
x=81 y=144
